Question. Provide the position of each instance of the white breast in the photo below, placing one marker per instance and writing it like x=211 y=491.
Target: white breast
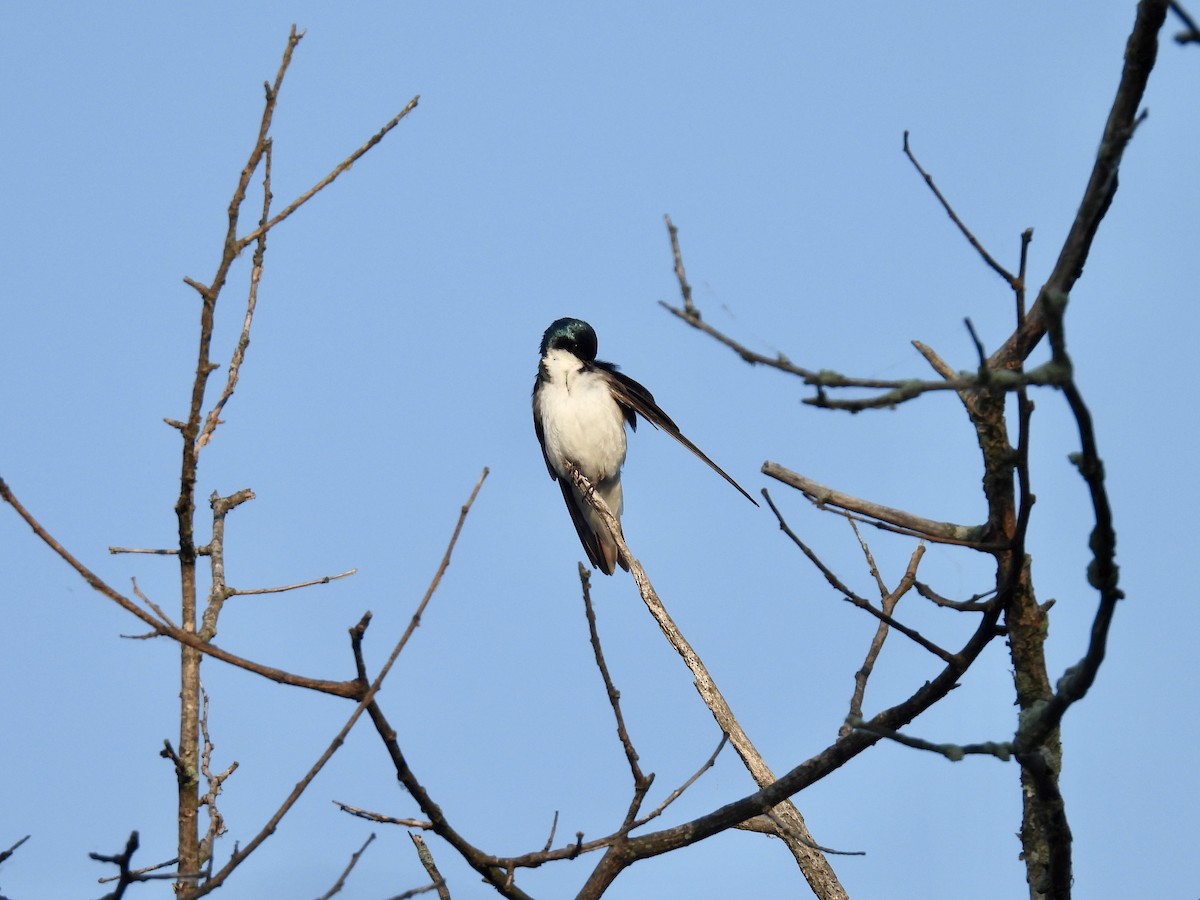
x=581 y=421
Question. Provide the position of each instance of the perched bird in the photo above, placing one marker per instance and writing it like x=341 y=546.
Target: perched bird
x=580 y=407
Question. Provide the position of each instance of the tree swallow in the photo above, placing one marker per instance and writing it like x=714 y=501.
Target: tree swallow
x=580 y=407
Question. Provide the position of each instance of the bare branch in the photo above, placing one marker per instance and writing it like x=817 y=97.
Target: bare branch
x=341 y=167
x=641 y=782
x=185 y=505
x=148 y=872
x=813 y=865
x=237 y=592
x=952 y=752
x=780 y=362
x=685 y=289
x=354 y=858
x=1191 y=34
x=777 y=827
x=913 y=635
x=884 y=517
x=239 y=353
x=219 y=592
x=380 y=817
x=966 y=232
x=889 y=600
x=426 y=858
x=678 y=792
x=215 y=782
x=5 y=854
x=817 y=767
x=1140 y=54
x=850 y=596
x=414 y=892
x=127 y=876
x=367 y=702
x=975 y=603
x=1102 y=572
x=349 y=689
x=137 y=592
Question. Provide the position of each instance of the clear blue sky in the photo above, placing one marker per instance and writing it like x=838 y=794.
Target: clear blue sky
x=392 y=360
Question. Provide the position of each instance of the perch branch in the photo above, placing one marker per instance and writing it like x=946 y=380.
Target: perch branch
x=813 y=864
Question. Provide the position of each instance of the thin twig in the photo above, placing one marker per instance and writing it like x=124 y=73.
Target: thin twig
x=121 y=861
x=975 y=603
x=889 y=600
x=641 y=783
x=354 y=858
x=553 y=830
x=147 y=872
x=215 y=782
x=240 y=855
x=238 y=592
x=678 y=792
x=414 y=892
x=780 y=362
x=777 y=826
x=952 y=752
x=158 y=610
x=685 y=289
x=1141 y=50
x=1192 y=33
x=341 y=167
x=13 y=849
x=380 y=817
x=349 y=689
x=850 y=596
x=895 y=391
x=213 y=419
x=966 y=232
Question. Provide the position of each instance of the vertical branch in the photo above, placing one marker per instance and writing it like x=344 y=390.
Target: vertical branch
x=185 y=506
x=685 y=289
x=215 y=781
x=219 y=590
x=641 y=782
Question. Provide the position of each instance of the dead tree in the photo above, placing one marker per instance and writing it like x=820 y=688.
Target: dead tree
x=996 y=389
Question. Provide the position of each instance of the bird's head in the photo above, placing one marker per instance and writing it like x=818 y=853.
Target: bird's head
x=573 y=335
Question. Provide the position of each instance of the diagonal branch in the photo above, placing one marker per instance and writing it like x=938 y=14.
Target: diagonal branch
x=1191 y=34
x=354 y=858
x=850 y=596
x=341 y=167
x=813 y=865
x=1140 y=53
x=966 y=232
x=884 y=517
x=350 y=689
x=365 y=704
